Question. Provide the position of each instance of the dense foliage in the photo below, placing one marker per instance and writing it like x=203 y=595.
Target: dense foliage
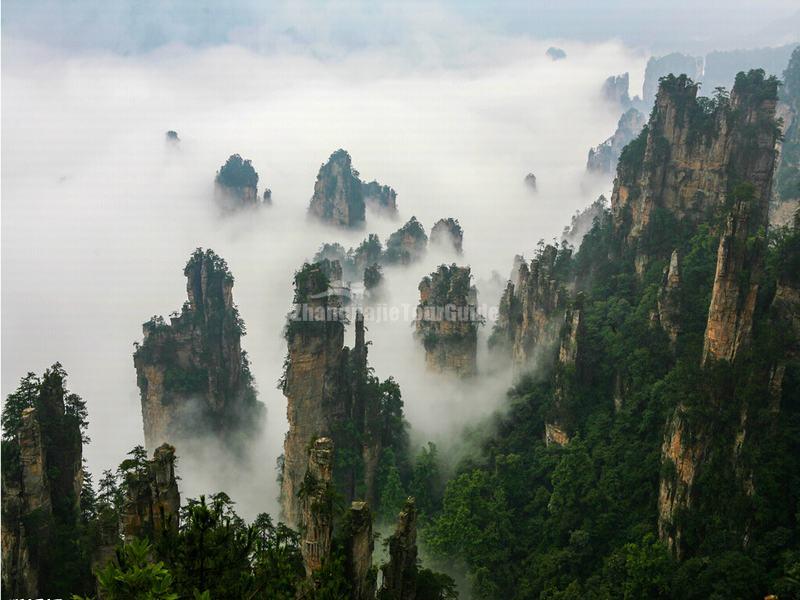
x=237 y=173
x=531 y=520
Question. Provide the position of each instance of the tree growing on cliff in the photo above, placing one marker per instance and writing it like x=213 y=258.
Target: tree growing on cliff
x=237 y=173
x=22 y=398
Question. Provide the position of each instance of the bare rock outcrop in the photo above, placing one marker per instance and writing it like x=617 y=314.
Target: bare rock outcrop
x=447 y=320
x=338 y=195
x=603 y=157
x=567 y=362
x=41 y=483
x=359 y=545
x=786 y=196
x=327 y=392
x=400 y=573
x=316 y=505
x=531 y=311
x=530 y=183
x=193 y=376
x=236 y=185
x=687 y=161
x=380 y=198
x=152 y=500
x=668 y=303
x=448 y=234
x=733 y=179
x=615 y=90
x=407 y=244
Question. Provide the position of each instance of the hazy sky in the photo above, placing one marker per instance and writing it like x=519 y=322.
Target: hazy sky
x=331 y=28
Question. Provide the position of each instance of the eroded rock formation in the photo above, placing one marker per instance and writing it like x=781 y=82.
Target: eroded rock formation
x=400 y=573
x=338 y=196
x=531 y=311
x=326 y=385
x=741 y=171
x=448 y=320
x=669 y=307
x=603 y=158
x=359 y=545
x=152 y=500
x=557 y=424
x=786 y=196
x=380 y=198
x=687 y=161
x=407 y=244
x=41 y=483
x=193 y=376
x=316 y=505
x=236 y=185
x=448 y=234
x=615 y=90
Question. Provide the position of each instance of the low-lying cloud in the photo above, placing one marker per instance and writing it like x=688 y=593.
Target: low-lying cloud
x=100 y=214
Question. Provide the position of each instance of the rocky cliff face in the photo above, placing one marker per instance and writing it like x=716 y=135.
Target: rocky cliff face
x=735 y=291
x=407 y=244
x=615 y=90
x=236 y=185
x=400 y=573
x=326 y=387
x=316 y=505
x=317 y=525
x=744 y=174
x=380 y=198
x=786 y=197
x=531 y=312
x=668 y=303
x=448 y=234
x=582 y=222
x=557 y=423
x=603 y=158
x=152 y=500
x=685 y=164
x=338 y=196
x=786 y=318
x=662 y=66
x=447 y=321
x=41 y=483
x=359 y=545
x=193 y=376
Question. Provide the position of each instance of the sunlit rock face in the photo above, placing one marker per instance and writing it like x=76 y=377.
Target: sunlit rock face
x=447 y=321
x=711 y=163
x=687 y=161
x=194 y=379
x=338 y=196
